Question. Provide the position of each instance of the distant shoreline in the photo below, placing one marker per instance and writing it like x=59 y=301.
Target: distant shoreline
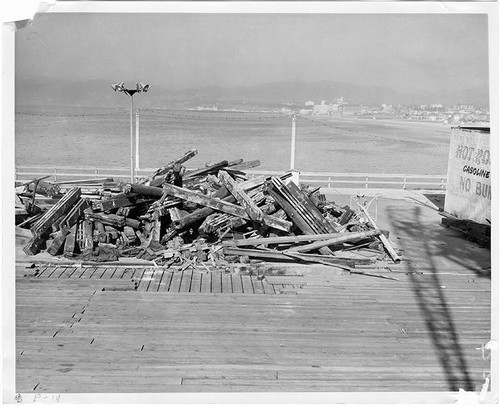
x=82 y=111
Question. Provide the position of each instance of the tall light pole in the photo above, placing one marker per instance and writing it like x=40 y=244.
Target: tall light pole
x=292 y=149
x=140 y=87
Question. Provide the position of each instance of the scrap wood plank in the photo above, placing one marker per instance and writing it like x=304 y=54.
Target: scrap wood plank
x=164 y=169
x=310 y=207
x=339 y=238
x=223 y=194
x=286 y=256
x=114 y=220
x=70 y=243
x=246 y=165
x=58 y=241
x=59 y=209
x=243 y=199
x=205 y=171
x=290 y=210
x=277 y=240
x=251 y=208
x=385 y=241
x=199 y=198
x=73 y=215
x=295 y=198
x=143 y=190
x=119 y=200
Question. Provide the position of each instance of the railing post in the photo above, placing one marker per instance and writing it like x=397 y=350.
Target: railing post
x=366 y=183
x=404 y=183
x=96 y=171
x=329 y=182
x=55 y=174
x=442 y=183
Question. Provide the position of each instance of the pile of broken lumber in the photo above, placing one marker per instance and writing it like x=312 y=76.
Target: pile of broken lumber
x=212 y=215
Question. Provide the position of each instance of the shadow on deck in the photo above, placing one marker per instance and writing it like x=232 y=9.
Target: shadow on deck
x=429 y=292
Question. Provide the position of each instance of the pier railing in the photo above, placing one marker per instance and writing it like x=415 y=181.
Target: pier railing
x=329 y=180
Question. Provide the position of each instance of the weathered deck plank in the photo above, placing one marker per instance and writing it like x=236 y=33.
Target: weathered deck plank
x=339 y=333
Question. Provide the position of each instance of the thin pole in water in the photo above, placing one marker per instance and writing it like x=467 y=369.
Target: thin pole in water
x=137 y=139
x=292 y=152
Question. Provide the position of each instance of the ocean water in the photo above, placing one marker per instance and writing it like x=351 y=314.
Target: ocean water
x=101 y=138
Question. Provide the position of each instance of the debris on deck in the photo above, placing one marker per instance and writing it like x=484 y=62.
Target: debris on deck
x=215 y=215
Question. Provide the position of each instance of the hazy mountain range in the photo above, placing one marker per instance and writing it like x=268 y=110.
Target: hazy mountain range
x=98 y=93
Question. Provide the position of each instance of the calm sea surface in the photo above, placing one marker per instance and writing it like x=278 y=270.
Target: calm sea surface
x=92 y=137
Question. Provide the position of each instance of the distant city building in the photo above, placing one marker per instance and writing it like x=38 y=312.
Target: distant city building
x=309 y=103
x=321 y=109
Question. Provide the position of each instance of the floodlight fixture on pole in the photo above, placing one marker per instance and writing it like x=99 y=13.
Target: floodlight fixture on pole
x=140 y=87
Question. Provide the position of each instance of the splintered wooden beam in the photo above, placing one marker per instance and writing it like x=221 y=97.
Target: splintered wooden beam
x=58 y=241
x=254 y=212
x=223 y=206
x=160 y=171
x=203 y=212
x=34 y=245
x=284 y=256
x=88 y=233
x=55 y=212
x=201 y=199
x=209 y=169
x=145 y=190
x=387 y=245
x=110 y=219
x=154 y=234
x=120 y=200
x=278 y=240
x=302 y=206
x=70 y=243
x=339 y=238
x=292 y=213
x=222 y=193
x=74 y=214
x=246 y=165
x=300 y=209
x=250 y=207
x=44 y=188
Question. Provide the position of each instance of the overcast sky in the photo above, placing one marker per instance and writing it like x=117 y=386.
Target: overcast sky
x=404 y=52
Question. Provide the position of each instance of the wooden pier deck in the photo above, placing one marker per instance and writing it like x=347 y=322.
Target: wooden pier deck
x=331 y=332
x=320 y=330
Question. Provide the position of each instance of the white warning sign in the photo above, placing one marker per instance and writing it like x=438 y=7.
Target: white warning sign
x=468 y=188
